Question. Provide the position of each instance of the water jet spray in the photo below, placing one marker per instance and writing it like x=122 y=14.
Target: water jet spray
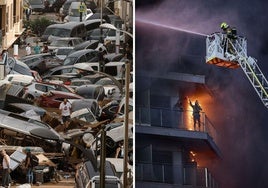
x=167 y=26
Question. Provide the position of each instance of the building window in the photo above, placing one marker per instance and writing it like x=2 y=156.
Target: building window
x=7 y=20
x=11 y=16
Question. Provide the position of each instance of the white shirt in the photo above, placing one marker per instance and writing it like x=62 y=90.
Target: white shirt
x=6 y=162
x=65 y=109
x=28 y=50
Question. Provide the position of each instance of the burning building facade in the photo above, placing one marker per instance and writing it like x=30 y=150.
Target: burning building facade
x=170 y=150
x=226 y=95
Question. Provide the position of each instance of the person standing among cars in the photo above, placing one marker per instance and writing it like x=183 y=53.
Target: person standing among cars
x=45 y=48
x=28 y=49
x=29 y=167
x=66 y=110
x=37 y=48
x=6 y=179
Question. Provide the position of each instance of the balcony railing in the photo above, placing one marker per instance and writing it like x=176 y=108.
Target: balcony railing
x=188 y=175
x=169 y=118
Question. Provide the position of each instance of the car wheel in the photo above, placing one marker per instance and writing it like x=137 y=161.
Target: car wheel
x=110 y=143
x=30 y=97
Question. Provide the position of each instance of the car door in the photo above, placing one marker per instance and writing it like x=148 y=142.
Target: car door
x=91 y=56
x=82 y=59
x=41 y=89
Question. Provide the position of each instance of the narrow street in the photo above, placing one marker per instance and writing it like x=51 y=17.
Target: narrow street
x=63 y=183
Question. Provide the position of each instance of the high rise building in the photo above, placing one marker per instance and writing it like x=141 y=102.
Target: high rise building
x=170 y=71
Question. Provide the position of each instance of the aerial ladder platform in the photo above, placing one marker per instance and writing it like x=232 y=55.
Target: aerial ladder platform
x=232 y=53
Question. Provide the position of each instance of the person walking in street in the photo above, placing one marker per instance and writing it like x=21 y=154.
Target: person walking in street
x=66 y=110
x=6 y=179
x=196 y=113
x=29 y=166
x=28 y=13
x=28 y=49
x=37 y=48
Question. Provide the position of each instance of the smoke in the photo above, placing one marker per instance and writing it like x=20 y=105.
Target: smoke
x=239 y=115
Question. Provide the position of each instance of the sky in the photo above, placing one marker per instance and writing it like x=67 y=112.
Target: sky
x=243 y=121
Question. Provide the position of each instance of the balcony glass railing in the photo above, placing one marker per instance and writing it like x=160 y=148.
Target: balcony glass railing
x=188 y=175
x=168 y=118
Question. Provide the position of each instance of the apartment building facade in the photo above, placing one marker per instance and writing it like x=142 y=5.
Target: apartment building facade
x=11 y=22
x=170 y=151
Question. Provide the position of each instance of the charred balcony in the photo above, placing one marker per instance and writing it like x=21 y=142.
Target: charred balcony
x=178 y=125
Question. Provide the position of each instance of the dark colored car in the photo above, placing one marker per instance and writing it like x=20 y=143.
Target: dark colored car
x=53 y=5
x=24 y=107
x=86 y=176
x=113 y=57
x=57 y=71
x=93 y=24
x=115 y=20
x=65 y=70
x=37 y=5
x=87 y=55
x=41 y=62
x=64 y=42
x=91 y=92
x=95 y=34
x=18 y=67
x=66 y=5
x=93 y=44
x=94 y=77
x=70 y=29
x=53 y=99
x=78 y=104
x=79 y=82
x=109 y=110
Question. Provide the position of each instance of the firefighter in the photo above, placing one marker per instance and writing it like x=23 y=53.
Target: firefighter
x=229 y=31
x=224 y=27
x=229 y=39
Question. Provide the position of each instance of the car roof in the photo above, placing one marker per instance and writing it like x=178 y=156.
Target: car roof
x=78 y=104
x=80 y=52
x=88 y=87
x=85 y=44
x=62 y=93
x=35 y=56
x=68 y=38
x=66 y=25
x=115 y=63
x=26 y=107
x=87 y=22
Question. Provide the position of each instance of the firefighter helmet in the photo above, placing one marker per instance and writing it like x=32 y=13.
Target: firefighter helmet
x=224 y=25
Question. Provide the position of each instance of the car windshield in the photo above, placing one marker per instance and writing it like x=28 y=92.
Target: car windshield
x=60 y=43
x=69 y=60
x=107 y=184
x=96 y=32
x=111 y=32
x=64 y=51
x=88 y=117
x=74 y=13
x=36 y=2
x=59 y=32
